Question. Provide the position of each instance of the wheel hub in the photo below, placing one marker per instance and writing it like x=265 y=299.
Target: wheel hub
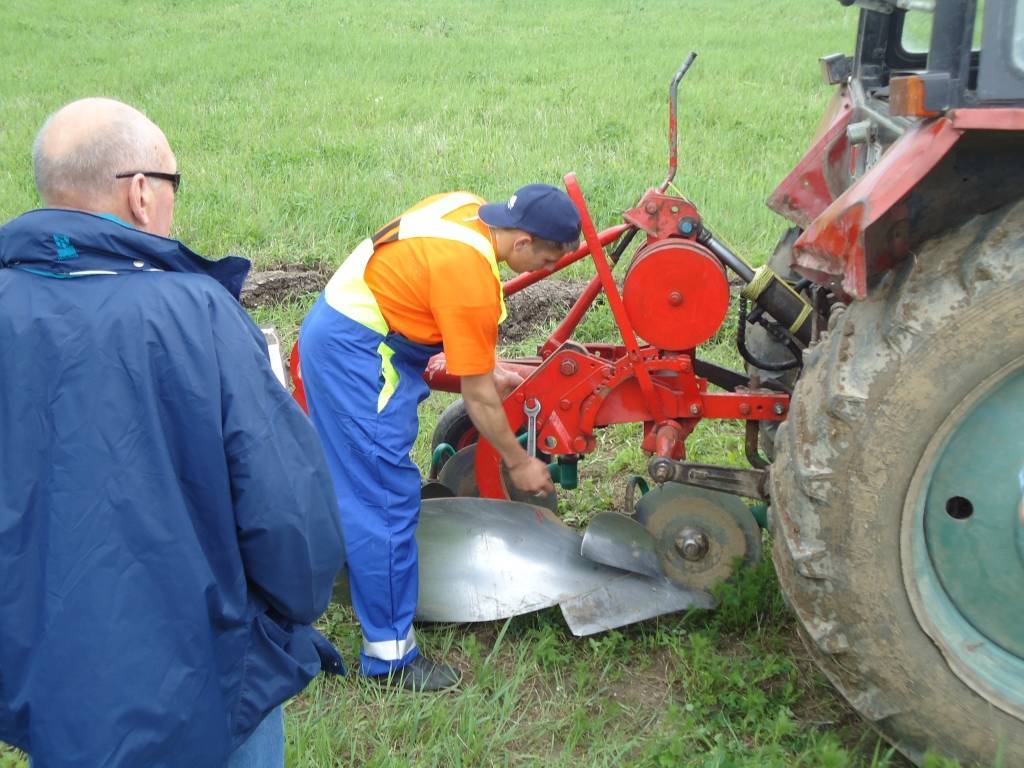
x=699 y=534
x=966 y=537
x=692 y=544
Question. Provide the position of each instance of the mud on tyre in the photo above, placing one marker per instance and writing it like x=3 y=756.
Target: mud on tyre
x=859 y=464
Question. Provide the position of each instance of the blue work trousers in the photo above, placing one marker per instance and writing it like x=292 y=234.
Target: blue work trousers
x=367 y=439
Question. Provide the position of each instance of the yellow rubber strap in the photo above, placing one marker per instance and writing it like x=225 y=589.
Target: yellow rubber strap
x=800 y=318
x=763 y=277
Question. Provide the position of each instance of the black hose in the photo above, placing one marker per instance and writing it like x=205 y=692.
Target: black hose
x=746 y=354
x=623 y=244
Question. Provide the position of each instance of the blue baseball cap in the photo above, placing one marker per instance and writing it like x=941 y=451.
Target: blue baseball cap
x=539 y=209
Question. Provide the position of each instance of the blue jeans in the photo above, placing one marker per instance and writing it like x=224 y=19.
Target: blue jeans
x=265 y=746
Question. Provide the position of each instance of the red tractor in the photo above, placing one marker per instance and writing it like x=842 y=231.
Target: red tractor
x=885 y=347
x=898 y=476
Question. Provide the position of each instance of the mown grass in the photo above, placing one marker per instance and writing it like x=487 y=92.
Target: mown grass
x=301 y=125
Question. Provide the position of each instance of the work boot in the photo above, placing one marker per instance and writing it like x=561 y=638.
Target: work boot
x=421 y=674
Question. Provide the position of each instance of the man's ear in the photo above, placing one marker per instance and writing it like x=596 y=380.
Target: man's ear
x=140 y=200
x=521 y=241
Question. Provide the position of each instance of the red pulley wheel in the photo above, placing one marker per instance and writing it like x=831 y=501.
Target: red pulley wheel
x=676 y=294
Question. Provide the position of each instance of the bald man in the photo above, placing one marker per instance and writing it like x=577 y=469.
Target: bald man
x=168 y=532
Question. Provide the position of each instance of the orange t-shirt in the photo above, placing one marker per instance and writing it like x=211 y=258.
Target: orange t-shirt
x=432 y=290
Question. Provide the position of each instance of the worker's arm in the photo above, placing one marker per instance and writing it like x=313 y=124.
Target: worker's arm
x=484 y=407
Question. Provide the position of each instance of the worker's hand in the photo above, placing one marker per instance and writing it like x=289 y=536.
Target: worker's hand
x=531 y=476
x=485 y=408
x=505 y=381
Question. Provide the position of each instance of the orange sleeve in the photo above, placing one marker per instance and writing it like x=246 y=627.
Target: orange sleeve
x=465 y=302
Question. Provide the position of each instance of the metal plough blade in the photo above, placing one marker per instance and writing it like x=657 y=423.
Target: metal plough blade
x=483 y=560
x=621 y=542
x=628 y=599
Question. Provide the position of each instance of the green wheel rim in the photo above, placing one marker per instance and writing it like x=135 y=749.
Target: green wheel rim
x=964 y=534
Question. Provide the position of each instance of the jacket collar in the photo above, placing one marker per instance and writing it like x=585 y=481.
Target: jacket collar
x=65 y=244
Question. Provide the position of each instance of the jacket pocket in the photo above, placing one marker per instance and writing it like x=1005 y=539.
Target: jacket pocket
x=281 y=660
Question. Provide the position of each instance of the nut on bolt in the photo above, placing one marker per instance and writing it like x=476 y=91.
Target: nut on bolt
x=692 y=544
x=778 y=409
x=660 y=470
x=695 y=409
x=567 y=367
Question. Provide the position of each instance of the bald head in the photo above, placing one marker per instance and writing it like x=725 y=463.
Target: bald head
x=82 y=145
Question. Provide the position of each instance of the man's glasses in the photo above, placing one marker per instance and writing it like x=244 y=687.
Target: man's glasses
x=174 y=178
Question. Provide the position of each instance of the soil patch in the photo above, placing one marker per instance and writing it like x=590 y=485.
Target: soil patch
x=539 y=307
x=283 y=283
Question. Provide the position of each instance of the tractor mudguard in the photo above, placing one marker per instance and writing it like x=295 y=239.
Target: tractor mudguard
x=822 y=174
x=937 y=175
x=838 y=248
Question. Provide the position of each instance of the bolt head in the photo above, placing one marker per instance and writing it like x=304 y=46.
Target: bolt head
x=675 y=298
x=695 y=410
x=550 y=441
x=744 y=409
x=651 y=208
x=779 y=409
x=692 y=544
x=579 y=443
x=565 y=404
x=567 y=367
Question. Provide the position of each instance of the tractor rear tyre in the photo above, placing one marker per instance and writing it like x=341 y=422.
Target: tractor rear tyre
x=896 y=498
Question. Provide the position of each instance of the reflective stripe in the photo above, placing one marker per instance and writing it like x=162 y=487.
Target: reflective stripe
x=390 y=650
x=348 y=293
x=390 y=375
x=429 y=222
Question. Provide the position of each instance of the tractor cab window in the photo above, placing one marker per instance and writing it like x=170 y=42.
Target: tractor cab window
x=1018 y=36
x=917 y=30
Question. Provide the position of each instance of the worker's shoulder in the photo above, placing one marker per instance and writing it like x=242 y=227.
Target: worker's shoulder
x=447 y=255
x=461 y=197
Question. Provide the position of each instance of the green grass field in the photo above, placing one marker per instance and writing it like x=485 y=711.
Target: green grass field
x=300 y=126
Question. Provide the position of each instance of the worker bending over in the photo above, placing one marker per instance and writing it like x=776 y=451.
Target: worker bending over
x=426 y=281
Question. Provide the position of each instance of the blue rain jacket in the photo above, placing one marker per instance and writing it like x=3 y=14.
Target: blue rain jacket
x=168 y=530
